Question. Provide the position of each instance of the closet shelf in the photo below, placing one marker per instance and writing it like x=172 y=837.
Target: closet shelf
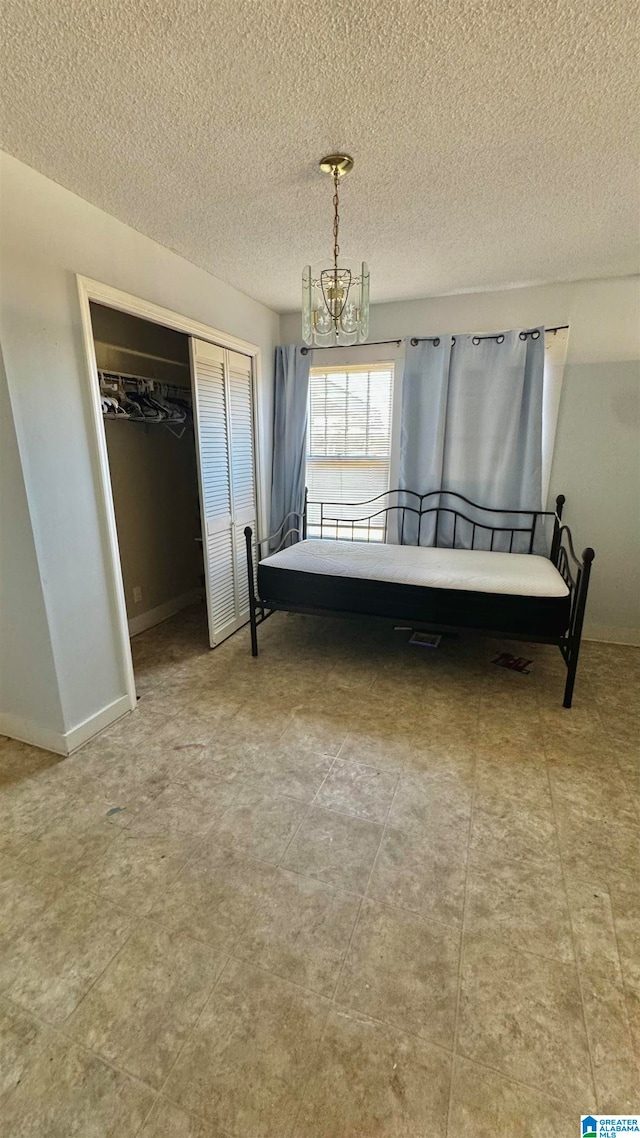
x=143 y=355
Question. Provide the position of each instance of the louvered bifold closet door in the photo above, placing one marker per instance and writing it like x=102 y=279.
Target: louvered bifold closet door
x=243 y=480
x=211 y=416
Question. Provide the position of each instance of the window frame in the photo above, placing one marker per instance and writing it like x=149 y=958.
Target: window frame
x=366 y=358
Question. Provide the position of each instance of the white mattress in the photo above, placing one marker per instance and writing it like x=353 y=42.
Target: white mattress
x=477 y=571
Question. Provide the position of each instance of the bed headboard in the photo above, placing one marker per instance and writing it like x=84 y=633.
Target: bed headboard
x=439 y=518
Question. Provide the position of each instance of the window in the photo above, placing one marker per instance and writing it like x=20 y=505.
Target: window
x=349 y=446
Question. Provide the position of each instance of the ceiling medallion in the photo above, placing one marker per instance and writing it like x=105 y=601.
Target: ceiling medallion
x=335 y=305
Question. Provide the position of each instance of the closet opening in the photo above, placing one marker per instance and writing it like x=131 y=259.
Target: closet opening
x=175 y=437
x=144 y=377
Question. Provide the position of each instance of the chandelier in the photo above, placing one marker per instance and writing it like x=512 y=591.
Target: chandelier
x=335 y=305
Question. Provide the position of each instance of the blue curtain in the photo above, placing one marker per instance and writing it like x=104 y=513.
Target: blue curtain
x=425 y=384
x=291 y=397
x=472 y=423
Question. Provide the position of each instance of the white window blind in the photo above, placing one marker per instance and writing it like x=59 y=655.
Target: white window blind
x=349 y=445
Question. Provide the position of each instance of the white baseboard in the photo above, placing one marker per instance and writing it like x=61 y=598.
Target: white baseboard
x=146 y=620
x=26 y=732
x=85 y=731
x=63 y=743
x=611 y=634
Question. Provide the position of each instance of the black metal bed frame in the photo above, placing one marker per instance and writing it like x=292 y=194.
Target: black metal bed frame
x=528 y=525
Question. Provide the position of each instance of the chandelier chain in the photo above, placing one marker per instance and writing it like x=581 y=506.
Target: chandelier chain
x=336 y=217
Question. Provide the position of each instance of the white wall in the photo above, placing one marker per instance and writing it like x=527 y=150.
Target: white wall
x=48 y=235
x=27 y=670
x=597 y=452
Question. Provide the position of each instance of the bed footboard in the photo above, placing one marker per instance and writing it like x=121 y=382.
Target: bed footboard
x=292 y=528
x=576 y=572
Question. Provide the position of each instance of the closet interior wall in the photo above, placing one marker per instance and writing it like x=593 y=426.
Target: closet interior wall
x=153 y=472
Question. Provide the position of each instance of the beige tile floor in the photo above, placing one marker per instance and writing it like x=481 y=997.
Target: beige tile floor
x=352 y=888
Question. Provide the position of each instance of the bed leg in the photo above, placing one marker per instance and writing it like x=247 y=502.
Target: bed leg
x=248 y=536
x=254 y=628
x=572 y=667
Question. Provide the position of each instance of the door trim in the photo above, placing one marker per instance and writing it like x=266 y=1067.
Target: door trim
x=90 y=290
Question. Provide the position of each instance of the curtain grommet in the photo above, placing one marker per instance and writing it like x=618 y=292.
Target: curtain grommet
x=500 y=339
x=535 y=335
x=522 y=335
x=476 y=340
x=436 y=342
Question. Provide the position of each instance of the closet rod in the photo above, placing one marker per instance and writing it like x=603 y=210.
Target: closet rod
x=414 y=340
x=111 y=373
x=145 y=355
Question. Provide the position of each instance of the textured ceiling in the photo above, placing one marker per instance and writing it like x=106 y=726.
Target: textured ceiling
x=495 y=141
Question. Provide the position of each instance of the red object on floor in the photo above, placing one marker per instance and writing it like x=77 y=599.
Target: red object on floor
x=515 y=663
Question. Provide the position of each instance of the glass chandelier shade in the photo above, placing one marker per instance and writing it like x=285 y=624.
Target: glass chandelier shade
x=335 y=304
x=335 y=307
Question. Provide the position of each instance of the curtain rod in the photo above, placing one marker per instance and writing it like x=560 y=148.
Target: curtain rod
x=435 y=340
x=367 y=344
